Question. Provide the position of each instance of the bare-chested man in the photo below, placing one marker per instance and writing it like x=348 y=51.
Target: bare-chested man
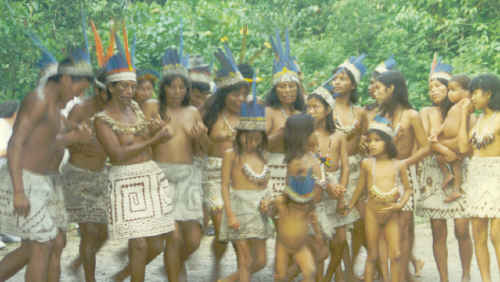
x=84 y=181
x=411 y=142
x=34 y=205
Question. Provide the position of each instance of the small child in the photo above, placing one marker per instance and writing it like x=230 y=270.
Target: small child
x=383 y=178
x=457 y=92
x=244 y=181
x=295 y=207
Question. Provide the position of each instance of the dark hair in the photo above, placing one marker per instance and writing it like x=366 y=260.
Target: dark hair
x=354 y=93
x=202 y=86
x=298 y=128
x=9 y=108
x=390 y=147
x=330 y=125
x=400 y=94
x=462 y=79
x=143 y=79
x=68 y=62
x=162 y=97
x=446 y=104
x=238 y=147
x=215 y=106
x=488 y=83
x=108 y=94
x=273 y=101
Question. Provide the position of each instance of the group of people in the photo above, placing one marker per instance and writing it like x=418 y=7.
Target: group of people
x=311 y=168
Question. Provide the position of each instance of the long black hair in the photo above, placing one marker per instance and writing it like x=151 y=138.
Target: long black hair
x=9 y=108
x=354 y=93
x=400 y=94
x=298 y=128
x=273 y=101
x=330 y=125
x=390 y=147
x=162 y=97
x=488 y=82
x=219 y=102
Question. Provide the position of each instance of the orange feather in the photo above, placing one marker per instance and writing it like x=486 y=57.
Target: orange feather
x=98 y=45
x=109 y=52
x=125 y=42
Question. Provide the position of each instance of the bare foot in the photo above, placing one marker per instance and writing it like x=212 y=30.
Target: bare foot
x=453 y=197
x=466 y=278
x=75 y=265
x=419 y=265
x=449 y=177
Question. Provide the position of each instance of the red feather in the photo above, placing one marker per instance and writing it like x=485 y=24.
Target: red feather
x=98 y=45
x=125 y=42
x=111 y=47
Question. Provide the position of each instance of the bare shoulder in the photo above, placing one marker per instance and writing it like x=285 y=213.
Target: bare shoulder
x=33 y=104
x=229 y=154
x=151 y=107
x=366 y=162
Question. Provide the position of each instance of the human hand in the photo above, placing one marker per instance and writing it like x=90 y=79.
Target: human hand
x=233 y=222
x=21 y=204
x=83 y=133
x=393 y=207
x=467 y=106
x=199 y=129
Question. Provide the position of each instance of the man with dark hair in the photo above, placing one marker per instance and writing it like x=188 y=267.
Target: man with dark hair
x=31 y=204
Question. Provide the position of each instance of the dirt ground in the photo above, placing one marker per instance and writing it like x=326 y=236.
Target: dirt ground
x=199 y=266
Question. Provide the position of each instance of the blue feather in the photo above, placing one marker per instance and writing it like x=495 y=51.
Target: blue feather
x=381 y=119
x=230 y=57
x=390 y=63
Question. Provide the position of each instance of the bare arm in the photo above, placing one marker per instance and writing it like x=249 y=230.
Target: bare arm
x=464 y=146
x=344 y=162
x=403 y=173
x=273 y=139
x=360 y=186
x=424 y=147
x=227 y=163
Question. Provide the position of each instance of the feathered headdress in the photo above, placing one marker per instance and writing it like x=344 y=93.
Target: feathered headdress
x=355 y=66
x=102 y=57
x=439 y=69
x=284 y=66
x=252 y=114
x=325 y=91
x=174 y=62
x=380 y=123
x=388 y=64
x=121 y=66
x=199 y=71
x=79 y=56
x=300 y=188
x=228 y=74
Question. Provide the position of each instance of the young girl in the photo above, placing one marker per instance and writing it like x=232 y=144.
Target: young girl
x=457 y=92
x=383 y=177
x=295 y=206
x=244 y=169
x=482 y=179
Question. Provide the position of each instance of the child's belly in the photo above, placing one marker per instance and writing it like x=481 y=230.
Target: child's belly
x=292 y=232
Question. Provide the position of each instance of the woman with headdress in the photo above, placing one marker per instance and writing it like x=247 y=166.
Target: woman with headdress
x=221 y=118
x=284 y=99
x=201 y=81
x=482 y=139
x=431 y=200
x=411 y=142
x=350 y=120
x=140 y=206
x=175 y=155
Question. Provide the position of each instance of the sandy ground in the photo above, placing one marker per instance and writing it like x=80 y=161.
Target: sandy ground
x=199 y=266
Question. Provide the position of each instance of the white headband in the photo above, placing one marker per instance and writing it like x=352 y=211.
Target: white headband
x=121 y=76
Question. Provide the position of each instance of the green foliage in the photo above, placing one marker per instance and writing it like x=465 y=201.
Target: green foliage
x=323 y=34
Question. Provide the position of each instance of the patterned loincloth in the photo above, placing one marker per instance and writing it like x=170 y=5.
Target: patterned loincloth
x=139 y=203
x=47 y=214
x=211 y=183
x=185 y=181
x=277 y=165
x=481 y=184
x=246 y=208
x=85 y=194
x=431 y=203
x=413 y=180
